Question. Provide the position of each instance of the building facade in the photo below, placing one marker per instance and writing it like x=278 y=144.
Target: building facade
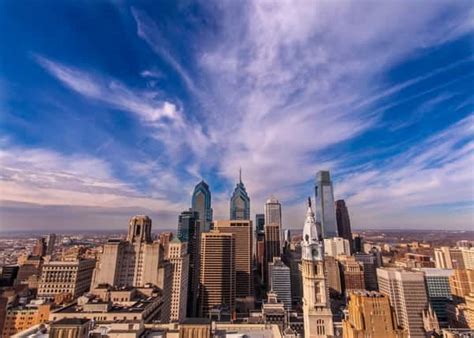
x=439 y=291
x=201 y=202
x=337 y=246
x=280 y=281
x=179 y=259
x=217 y=272
x=317 y=313
x=240 y=202
x=325 y=211
x=343 y=222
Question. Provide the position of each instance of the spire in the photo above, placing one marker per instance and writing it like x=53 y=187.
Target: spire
x=240 y=175
x=309 y=202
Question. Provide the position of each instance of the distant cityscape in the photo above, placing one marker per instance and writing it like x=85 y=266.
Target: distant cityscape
x=239 y=277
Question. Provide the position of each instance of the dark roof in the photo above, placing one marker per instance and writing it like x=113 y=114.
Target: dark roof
x=70 y=321
x=196 y=321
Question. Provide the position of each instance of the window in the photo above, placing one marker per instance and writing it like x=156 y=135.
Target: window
x=320 y=328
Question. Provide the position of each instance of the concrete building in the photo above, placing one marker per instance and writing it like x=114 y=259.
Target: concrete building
x=65 y=278
x=370 y=316
x=333 y=275
x=344 y=223
x=217 y=272
x=337 y=246
x=240 y=202
x=318 y=322
x=179 y=259
x=292 y=258
x=243 y=241
x=280 y=281
x=165 y=239
x=189 y=230
x=70 y=328
x=468 y=258
x=22 y=317
x=439 y=291
x=325 y=207
x=448 y=258
x=407 y=293
x=201 y=202
x=370 y=264
x=352 y=274
x=462 y=283
x=134 y=262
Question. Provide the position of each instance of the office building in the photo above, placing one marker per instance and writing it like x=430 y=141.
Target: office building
x=260 y=244
x=333 y=275
x=370 y=263
x=65 y=278
x=21 y=317
x=343 y=222
x=165 y=239
x=243 y=241
x=448 y=258
x=240 y=202
x=337 y=246
x=40 y=247
x=358 y=242
x=287 y=236
x=179 y=259
x=439 y=291
x=468 y=258
x=273 y=211
x=317 y=313
x=8 y=275
x=50 y=244
x=272 y=232
x=352 y=273
x=189 y=230
x=136 y=261
x=407 y=293
x=201 y=202
x=217 y=272
x=462 y=283
x=292 y=258
x=370 y=316
x=325 y=211
x=274 y=311
x=280 y=281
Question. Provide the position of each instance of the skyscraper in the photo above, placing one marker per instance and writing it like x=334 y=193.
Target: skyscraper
x=439 y=291
x=337 y=246
x=280 y=281
x=201 y=202
x=179 y=259
x=352 y=274
x=325 y=213
x=343 y=222
x=316 y=308
x=407 y=293
x=189 y=230
x=260 y=244
x=259 y=223
x=272 y=231
x=217 y=273
x=273 y=211
x=51 y=242
x=370 y=315
x=240 y=202
x=243 y=240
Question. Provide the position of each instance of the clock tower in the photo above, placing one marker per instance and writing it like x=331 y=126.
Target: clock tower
x=316 y=307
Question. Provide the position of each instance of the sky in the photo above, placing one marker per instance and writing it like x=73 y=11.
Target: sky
x=111 y=109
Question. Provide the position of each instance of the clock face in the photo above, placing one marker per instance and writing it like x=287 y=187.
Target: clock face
x=315 y=253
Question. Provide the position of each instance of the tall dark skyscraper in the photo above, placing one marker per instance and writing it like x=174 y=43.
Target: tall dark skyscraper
x=325 y=213
x=201 y=202
x=189 y=231
x=260 y=243
x=343 y=222
x=240 y=202
x=259 y=222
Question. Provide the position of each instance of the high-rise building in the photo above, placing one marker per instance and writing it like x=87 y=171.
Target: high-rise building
x=343 y=222
x=260 y=244
x=448 y=258
x=165 y=239
x=189 y=230
x=462 y=283
x=333 y=274
x=65 y=278
x=240 y=202
x=352 y=274
x=201 y=202
x=243 y=241
x=370 y=264
x=217 y=273
x=280 y=281
x=40 y=247
x=50 y=243
x=317 y=313
x=337 y=246
x=292 y=258
x=136 y=261
x=179 y=259
x=357 y=240
x=370 y=316
x=407 y=293
x=287 y=236
x=272 y=245
x=22 y=317
x=439 y=291
x=273 y=211
x=325 y=213
x=468 y=258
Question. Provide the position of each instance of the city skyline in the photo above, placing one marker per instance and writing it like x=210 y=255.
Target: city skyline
x=115 y=109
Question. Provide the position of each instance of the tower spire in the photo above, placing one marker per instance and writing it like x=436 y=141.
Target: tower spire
x=240 y=175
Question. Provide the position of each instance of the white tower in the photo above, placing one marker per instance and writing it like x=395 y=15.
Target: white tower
x=316 y=308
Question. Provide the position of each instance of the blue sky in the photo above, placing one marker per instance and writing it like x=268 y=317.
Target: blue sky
x=109 y=109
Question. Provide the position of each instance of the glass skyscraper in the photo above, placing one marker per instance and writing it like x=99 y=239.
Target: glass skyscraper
x=201 y=202
x=325 y=211
x=240 y=202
